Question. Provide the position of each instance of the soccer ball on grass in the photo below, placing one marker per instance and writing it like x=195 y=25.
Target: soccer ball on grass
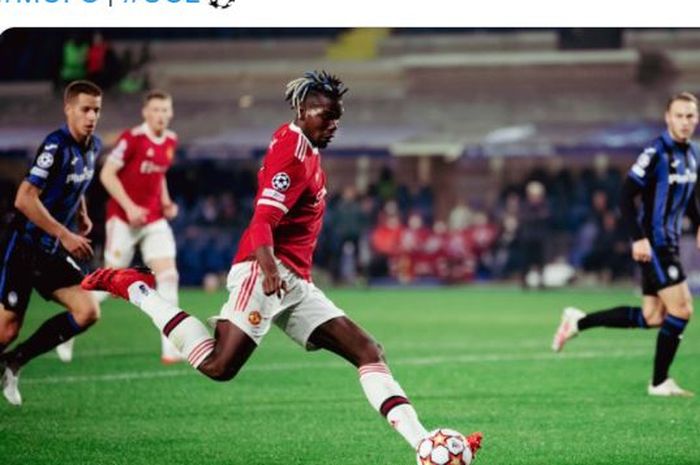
x=447 y=447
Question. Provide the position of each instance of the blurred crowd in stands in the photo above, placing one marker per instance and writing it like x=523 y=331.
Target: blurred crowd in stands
x=68 y=55
x=547 y=227
x=566 y=220
x=95 y=59
x=388 y=234
x=562 y=223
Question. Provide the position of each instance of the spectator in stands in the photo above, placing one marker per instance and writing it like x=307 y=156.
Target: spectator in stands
x=74 y=60
x=609 y=256
x=134 y=72
x=506 y=256
x=460 y=216
x=385 y=239
x=435 y=249
x=386 y=187
x=587 y=235
x=349 y=222
x=95 y=61
x=207 y=211
x=102 y=64
x=532 y=234
x=412 y=256
x=481 y=236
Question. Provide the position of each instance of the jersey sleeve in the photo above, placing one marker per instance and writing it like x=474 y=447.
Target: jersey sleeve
x=628 y=210
x=46 y=164
x=283 y=180
x=123 y=151
x=643 y=170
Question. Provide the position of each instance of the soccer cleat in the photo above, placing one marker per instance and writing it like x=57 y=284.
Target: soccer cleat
x=474 y=441
x=117 y=281
x=668 y=388
x=65 y=350
x=10 y=386
x=170 y=360
x=568 y=328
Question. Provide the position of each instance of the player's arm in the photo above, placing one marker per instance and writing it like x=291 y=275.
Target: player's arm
x=28 y=202
x=264 y=221
x=640 y=175
x=693 y=212
x=84 y=221
x=282 y=185
x=108 y=176
x=170 y=208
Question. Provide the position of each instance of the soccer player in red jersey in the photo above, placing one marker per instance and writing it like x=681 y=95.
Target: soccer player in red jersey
x=140 y=206
x=270 y=278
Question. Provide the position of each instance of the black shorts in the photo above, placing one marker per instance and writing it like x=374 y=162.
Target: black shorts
x=662 y=271
x=24 y=266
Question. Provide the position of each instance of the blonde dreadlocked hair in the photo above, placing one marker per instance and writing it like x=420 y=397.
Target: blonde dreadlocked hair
x=313 y=82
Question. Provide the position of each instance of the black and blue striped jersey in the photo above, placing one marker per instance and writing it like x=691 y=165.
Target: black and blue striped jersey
x=63 y=170
x=665 y=174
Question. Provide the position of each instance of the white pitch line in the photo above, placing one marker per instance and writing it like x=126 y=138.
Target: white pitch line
x=530 y=343
x=416 y=361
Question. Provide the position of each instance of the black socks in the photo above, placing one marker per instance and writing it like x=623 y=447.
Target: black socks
x=667 y=344
x=57 y=329
x=618 y=317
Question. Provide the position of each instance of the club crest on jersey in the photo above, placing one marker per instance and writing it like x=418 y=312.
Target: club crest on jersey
x=254 y=318
x=12 y=298
x=150 y=152
x=673 y=272
x=45 y=160
x=281 y=181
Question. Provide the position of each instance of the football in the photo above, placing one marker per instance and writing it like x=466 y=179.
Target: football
x=444 y=447
x=221 y=3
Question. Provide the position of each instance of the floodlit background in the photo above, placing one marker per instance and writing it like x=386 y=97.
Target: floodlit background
x=471 y=162
x=444 y=130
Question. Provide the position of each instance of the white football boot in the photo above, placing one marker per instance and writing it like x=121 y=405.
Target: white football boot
x=65 y=350
x=668 y=388
x=568 y=328
x=10 y=386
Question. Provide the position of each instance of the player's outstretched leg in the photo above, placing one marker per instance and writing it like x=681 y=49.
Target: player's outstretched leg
x=136 y=285
x=218 y=358
x=574 y=321
x=82 y=312
x=166 y=285
x=64 y=351
x=342 y=336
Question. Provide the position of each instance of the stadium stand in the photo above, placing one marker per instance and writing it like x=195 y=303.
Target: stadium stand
x=461 y=119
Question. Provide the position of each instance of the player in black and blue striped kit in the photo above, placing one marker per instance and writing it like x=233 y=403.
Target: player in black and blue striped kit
x=664 y=178
x=38 y=248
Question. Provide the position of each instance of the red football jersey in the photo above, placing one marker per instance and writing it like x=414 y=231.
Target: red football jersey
x=290 y=180
x=144 y=159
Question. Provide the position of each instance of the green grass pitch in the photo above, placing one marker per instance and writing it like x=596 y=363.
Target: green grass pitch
x=470 y=359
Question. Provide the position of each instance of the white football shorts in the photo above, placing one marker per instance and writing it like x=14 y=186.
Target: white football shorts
x=155 y=239
x=301 y=310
